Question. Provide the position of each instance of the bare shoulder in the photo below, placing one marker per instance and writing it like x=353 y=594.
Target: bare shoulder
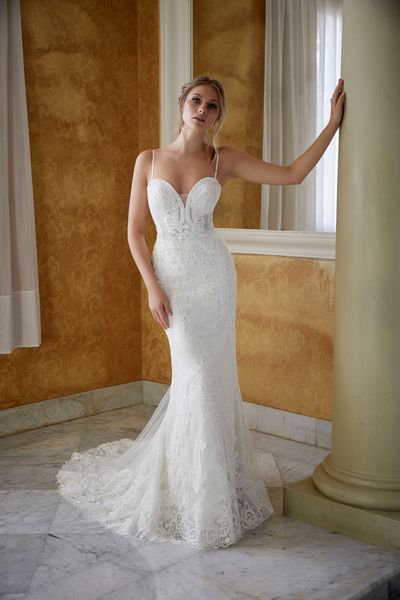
x=144 y=157
x=143 y=164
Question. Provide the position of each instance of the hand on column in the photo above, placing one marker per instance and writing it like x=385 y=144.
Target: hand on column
x=338 y=101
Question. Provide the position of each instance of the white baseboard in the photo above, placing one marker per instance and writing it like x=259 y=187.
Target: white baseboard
x=286 y=424
x=66 y=408
x=265 y=419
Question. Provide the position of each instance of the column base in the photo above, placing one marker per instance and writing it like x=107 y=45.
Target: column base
x=345 y=486
x=302 y=500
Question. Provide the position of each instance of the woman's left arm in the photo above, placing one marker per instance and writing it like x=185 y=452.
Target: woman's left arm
x=307 y=161
x=250 y=168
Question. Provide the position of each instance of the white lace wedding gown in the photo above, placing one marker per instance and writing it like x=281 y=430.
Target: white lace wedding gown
x=191 y=475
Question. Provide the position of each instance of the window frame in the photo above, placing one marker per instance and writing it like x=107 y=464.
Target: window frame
x=176 y=67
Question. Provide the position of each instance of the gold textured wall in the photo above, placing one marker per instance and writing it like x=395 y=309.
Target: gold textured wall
x=92 y=88
x=90 y=77
x=285 y=320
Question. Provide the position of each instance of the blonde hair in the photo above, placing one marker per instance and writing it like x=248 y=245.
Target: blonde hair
x=219 y=88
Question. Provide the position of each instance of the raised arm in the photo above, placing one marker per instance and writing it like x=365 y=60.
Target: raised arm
x=307 y=161
x=250 y=168
x=240 y=164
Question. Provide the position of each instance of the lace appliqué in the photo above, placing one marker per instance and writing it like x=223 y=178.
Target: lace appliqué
x=191 y=475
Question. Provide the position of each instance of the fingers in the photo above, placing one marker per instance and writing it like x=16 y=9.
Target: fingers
x=168 y=309
x=339 y=91
x=161 y=315
x=161 y=318
x=158 y=317
x=341 y=95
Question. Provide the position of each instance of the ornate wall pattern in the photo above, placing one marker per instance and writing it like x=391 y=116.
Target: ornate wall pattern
x=285 y=321
x=92 y=85
x=83 y=85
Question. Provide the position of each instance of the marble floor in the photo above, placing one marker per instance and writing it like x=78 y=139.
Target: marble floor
x=48 y=552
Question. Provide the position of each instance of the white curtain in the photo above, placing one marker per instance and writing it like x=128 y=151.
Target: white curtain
x=302 y=66
x=19 y=290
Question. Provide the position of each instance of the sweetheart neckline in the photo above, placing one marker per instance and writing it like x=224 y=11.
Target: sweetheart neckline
x=188 y=193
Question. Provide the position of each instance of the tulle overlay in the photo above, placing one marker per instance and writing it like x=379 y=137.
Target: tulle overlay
x=191 y=475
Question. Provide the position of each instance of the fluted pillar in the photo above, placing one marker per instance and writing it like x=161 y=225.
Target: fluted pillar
x=363 y=468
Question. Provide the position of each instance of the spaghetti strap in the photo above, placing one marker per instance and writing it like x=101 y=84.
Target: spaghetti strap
x=152 y=167
x=216 y=167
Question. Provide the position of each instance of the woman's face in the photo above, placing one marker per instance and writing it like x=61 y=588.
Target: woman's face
x=201 y=107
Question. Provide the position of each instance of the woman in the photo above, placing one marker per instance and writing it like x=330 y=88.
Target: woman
x=191 y=475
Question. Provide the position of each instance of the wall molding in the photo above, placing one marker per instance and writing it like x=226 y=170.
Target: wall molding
x=307 y=244
x=176 y=67
x=265 y=419
x=176 y=61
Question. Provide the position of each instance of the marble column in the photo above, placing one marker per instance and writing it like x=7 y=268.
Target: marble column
x=363 y=468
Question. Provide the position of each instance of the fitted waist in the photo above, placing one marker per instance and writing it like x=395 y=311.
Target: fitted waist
x=187 y=237
x=184 y=226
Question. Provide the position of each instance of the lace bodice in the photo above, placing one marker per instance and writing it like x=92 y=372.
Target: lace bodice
x=184 y=198
x=180 y=215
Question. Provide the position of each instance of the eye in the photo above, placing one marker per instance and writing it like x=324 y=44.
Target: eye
x=212 y=105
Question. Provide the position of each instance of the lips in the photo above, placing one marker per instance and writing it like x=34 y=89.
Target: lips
x=198 y=119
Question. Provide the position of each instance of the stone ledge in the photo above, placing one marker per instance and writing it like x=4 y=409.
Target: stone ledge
x=302 y=500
